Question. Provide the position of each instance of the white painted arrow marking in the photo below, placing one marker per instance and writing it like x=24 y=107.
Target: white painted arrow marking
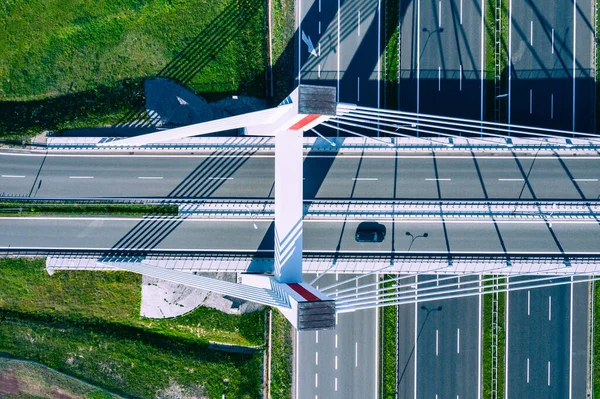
x=309 y=43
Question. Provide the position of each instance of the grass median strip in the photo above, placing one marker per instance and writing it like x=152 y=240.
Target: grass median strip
x=488 y=342
x=87 y=324
x=388 y=336
x=596 y=342
x=282 y=357
x=17 y=208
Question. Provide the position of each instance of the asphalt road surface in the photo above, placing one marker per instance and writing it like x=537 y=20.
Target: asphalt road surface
x=346 y=39
x=326 y=176
x=340 y=363
x=446 y=353
x=441 y=57
x=228 y=235
x=547 y=347
x=550 y=55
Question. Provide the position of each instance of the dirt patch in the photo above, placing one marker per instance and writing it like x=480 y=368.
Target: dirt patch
x=9 y=384
x=61 y=395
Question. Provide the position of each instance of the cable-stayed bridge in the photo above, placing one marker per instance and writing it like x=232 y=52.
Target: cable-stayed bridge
x=523 y=235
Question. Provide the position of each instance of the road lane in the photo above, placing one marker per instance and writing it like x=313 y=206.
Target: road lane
x=339 y=363
x=319 y=236
x=402 y=177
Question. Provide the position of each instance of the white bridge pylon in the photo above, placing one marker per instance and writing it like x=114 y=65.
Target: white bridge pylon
x=305 y=108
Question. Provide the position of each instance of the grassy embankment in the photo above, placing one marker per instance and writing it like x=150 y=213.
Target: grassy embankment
x=487 y=343
x=87 y=324
x=17 y=208
x=388 y=337
x=78 y=64
x=282 y=357
x=22 y=379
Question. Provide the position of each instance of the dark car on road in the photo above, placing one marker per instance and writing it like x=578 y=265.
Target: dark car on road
x=370 y=232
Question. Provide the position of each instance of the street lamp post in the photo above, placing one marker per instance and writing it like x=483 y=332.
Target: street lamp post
x=413 y=238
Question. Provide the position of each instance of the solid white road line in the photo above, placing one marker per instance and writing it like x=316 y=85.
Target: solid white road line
x=458 y=340
x=365 y=178
x=588 y=180
x=550 y=308
x=531 y=34
x=437 y=352
x=81 y=177
x=418 y=61
x=574 y=66
x=480 y=339
x=356 y=354
x=416 y=370
x=511 y=179
x=528 y=303
x=571 y=340
x=528 y=370
x=548 y=373
x=150 y=177
x=13 y=176
x=338 y=49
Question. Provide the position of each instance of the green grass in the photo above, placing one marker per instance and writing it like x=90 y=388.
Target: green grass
x=112 y=297
x=87 y=324
x=391 y=56
x=79 y=64
x=18 y=208
x=388 y=336
x=36 y=380
x=128 y=361
x=281 y=357
x=490 y=10
x=596 y=343
x=487 y=343
x=283 y=21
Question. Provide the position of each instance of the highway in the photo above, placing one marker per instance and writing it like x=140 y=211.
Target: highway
x=447 y=354
x=546 y=346
x=441 y=57
x=550 y=56
x=326 y=176
x=346 y=38
x=228 y=235
x=340 y=363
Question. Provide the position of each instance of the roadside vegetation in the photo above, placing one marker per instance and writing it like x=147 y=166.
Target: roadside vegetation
x=78 y=64
x=391 y=66
x=284 y=37
x=282 y=357
x=596 y=342
x=487 y=342
x=23 y=379
x=87 y=324
x=490 y=23
x=388 y=344
x=19 y=208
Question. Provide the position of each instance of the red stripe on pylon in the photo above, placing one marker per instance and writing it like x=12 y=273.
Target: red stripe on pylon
x=304 y=121
x=303 y=292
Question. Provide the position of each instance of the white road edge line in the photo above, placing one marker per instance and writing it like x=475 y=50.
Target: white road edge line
x=416 y=370
x=479 y=340
x=506 y=346
x=571 y=340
